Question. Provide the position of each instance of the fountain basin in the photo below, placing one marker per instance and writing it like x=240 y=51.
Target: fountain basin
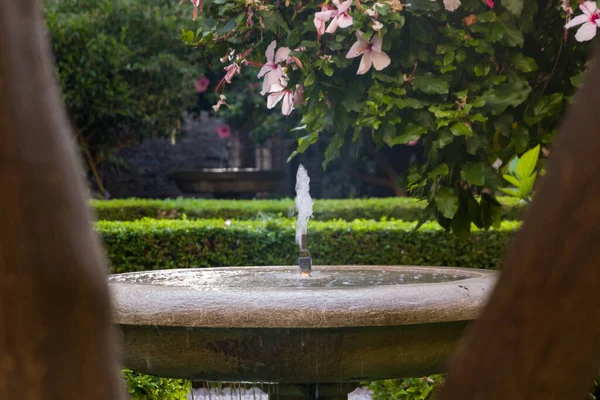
x=266 y=324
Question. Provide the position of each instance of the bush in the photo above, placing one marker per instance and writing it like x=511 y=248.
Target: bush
x=123 y=73
x=148 y=387
x=406 y=389
x=163 y=244
x=377 y=209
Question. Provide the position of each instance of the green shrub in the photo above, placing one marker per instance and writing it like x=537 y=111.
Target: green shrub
x=391 y=208
x=162 y=244
x=123 y=72
x=406 y=389
x=148 y=387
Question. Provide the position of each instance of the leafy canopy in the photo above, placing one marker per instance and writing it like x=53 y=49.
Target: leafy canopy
x=476 y=86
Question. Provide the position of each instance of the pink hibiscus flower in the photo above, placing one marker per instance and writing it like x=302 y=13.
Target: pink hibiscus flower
x=272 y=71
x=340 y=16
x=589 y=21
x=371 y=53
x=202 y=84
x=224 y=131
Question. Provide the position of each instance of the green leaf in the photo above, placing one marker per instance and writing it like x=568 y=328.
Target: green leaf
x=527 y=185
x=440 y=170
x=328 y=69
x=528 y=162
x=411 y=132
x=577 y=80
x=461 y=223
x=446 y=202
x=483 y=68
x=460 y=129
x=446 y=137
x=506 y=95
x=474 y=174
x=449 y=58
x=310 y=80
x=478 y=117
x=304 y=143
x=548 y=105
x=273 y=21
x=333 y=150
x=491 y=211
x=445 y=48
x=519 y=137
x=487 y=16
x=513 y=36
x=514 y=192
x=474 y=210
x=447 y=69
x=409 y=102
x=512 y=180
x=514 y=6
x=430 y=84
x=228 y=27
x=523 y=63
x=424 y=5
x=421 y=29
x=512 y=165
x=461 y=55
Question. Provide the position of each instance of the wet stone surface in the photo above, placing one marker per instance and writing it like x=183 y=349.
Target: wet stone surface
x=284 y=278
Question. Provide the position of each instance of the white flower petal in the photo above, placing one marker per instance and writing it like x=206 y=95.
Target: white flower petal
x=376 y=43
x=264 y=70
x=588 y=7
x=270 y=53
x=365 y=63
x=320 y=25
x=333 y=25
x=344 y=6
x=288 y=103
x=344 y=20
x=380 y=60
x=357 y=49
x=451 y=5
x=325 y=15
x=273 y=82
x=282 y=54
x=274 y=98
x=578 y=20
x=586 y=32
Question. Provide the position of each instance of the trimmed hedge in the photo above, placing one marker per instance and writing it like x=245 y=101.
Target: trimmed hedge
x=163 y=244
x=349 y=209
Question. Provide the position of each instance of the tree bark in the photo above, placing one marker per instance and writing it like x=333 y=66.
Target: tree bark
x=539 y=336
x=56 y=337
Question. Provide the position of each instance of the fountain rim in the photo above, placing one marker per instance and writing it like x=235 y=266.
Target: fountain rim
x=268 y=307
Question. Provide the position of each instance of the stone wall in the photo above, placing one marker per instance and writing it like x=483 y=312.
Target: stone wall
x=143 y=170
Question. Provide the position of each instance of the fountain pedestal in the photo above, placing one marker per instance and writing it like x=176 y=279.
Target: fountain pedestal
x=314 y=336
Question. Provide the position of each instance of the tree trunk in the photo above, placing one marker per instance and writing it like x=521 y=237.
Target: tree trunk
x=539 y=336
x=56 y=338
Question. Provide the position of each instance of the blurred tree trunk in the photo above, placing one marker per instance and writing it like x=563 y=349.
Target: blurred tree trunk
x=56 y=338
x=539 y=336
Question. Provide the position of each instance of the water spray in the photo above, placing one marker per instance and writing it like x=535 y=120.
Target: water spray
x=304 y=206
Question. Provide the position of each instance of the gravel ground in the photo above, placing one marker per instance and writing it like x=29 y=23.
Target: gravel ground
x=361 y=393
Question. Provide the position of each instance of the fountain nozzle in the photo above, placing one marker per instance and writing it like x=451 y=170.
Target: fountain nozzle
x=304 y=261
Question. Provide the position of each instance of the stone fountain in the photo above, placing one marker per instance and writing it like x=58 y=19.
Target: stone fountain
x=309 y=331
